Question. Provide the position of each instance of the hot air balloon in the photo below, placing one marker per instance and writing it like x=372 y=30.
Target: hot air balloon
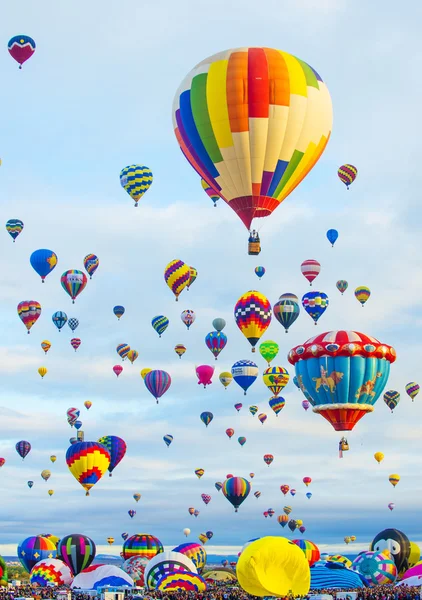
x=87 y=404
x=276 y=378
x=305 y=404
x=310 y=269
x=253 y=410
x=30 y=484
x=268 y=459
x=287 y=509
x=14 y=227
x=412 y=389
x=257 y=494
x=252 y=314
x=157 y=383
x=277 y=404
x=292 y=525
x=394 y=479
x=29 y=312
x=206 y=498
x=88 y=461
x=230 y=433
x=332 y=236
x=193 y=274
x=160 y=324
x=110 y=540
x=168 y=439
x=260 y=272
x=293 y=492
x=72 y=416
x=23 y=448
x=310 y=550
x=307 y=481
x=59 y=319
x=347 y=174
x=42 y=371
x=132 y=355
x=241 y=440
x=119 y=311
x=251 y=475
x=21 y=47
x=116 y=448
x=191 y=511
x=199 y=473
x=204 y=374
x=391 y=506
x=270 y=512
x=285 y=490
x=265 y=513
x=77 y=551
x=379 y=457
x=210 y=192
x=186 y=532
x=136 y=180
x=262 y=418
x=217 y=123
x=73 y=323
x=142 y=544
x=180 y=349
x=236 y=490
x=91 y=264
x=73 y=282
x=219 y=324
x=320 y=365
x=75 y=343
x=117 y=369
x=78 y=424
x=131 y=513
x=43 y=262
x=268 y=350
x=226 y=378
x=244 y=373
x=216 y=342
x=188 y=317
x=283 y=520
x=286 y=310
x=177 y=276
x=391 y=398
x=342 y=285
x=206 y=417
x=46 y=474
x=238 y=407
x=309 y=495
x=362 y=294
x=315 y=304
x=2 y=462
x=33 y=549
x=218 y=485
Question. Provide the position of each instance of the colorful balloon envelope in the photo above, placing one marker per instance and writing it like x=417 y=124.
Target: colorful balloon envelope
x=78 y=424
x=160 y=324
x=342 y=285
x=45 y=345
x=14 y=228
x=91 y=264
x=42 y=371
x=252 y=314
x=131 y=513
x=87 y=404
x=253 y=410
x=177 y=276
x=218 y=485
x=199 y=473
x=75 y=343
x=265 y=513
x=257 y=494
x=241 y=440
x=292 y=525
x=276 y=379
x=285 y=490
x=125 y=536
x=117 y=450
x=30 y=484
x=21 y=48
x=204 y=374
x=73 y=282
x=33 y=549
x=110 y=540
x=309 y=495
x=236 y=490
x=59 y=319
x=157 y=383
x=307 y=481
x=412 y=389
x=144 y=372
x=72 y=415
x=376 y=568
x=286 y=310
x=132 y=355
x=216 y=342
x=73 y=323
x=310 y=550
x=226 y=378
x=347 y=174
x=206 y=498
x=191 y=511
x=88 y=461
x=117 y=369
x=188 y=317
x=262 y=417
x=394 y=479
x=206 y=417
x=270 y=512
x=29 y=312
x=283 y=520
x=136 y=180
x=251 y=475
x=268 y=459
x=244 y=373
x=391 y=398
x=168 y=439
x=43 y=262
x=119 y=311
x=391 y=506
x=293 y=492
x=362 y=294
x=315 y=304
x=230 y=432
x=193 y=274
x=123 y=350
x=210 y=192
x=332 y=236
x=277 y=404
x=269 y=350
x=142 y=544
x=2 y=462
x=305 y=404
x=196 y=513
x=180 y=349
x=23 y=448
x=217 y=123
x=310 y=268
x=260 y=272
x=238 y=406
x=287 y=509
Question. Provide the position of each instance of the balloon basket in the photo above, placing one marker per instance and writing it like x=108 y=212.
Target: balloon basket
x=254 y=248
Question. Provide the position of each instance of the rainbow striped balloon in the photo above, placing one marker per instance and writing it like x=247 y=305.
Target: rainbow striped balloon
x=236 y=490
x=157 y=382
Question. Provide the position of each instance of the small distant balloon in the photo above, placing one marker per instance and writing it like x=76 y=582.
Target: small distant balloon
x=342 y=285
x=260 y=272
x=91 y=264
x=219 y=324
x=332 y=236
x=180 y=349
x=119 y=311
x=136 y=180
x=21 y=48
x=347 y=174
x=14 y=228
x=168 y=439
x=310 y=268
x=362 y=294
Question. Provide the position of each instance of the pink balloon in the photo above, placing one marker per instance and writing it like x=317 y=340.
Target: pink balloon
x=204 y=374
x=117 y=369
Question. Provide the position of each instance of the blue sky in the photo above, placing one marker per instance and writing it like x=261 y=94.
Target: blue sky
x=97 y=96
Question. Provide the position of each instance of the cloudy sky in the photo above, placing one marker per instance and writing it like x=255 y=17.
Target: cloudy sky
x=96 y=97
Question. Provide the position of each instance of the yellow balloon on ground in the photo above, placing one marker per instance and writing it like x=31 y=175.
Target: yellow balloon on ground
x=415 y=554
x=144 y=372
x=273 y=566
x=42 y=371
x=379 y=456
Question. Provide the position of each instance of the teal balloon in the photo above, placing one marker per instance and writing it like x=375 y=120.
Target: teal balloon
x=160 y=324
x=219 y=324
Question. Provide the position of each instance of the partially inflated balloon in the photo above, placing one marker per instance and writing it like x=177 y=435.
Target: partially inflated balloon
x=177 y=276
x=252 y=314
x=193 y=275
x=43 y=262
x=136 y=180
x=277 y=404
x=347 y=174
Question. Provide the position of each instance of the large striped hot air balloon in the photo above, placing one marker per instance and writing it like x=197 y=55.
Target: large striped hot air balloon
x=87 y=461
x=342 y=374
x=252 y=314
x=252 y=122
x=177 y=276
x=157 y=383
x=136 y=180
x=236 y=490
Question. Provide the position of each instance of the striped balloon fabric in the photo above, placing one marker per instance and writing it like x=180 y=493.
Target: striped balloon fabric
x=310 y=269
x=330 y=576
x=347 y=174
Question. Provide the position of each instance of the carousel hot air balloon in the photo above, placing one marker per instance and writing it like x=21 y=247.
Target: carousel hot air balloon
x=321 y=364
x=23 y=448
x=276 y=378
x=286 y=310
x=236 y=490
x=268 y=459
x=285 y=490
x=14 y=227
x=394 y=479
x=204 y=374
x=119 y=311
x=315 y=304
x=216 y=342
x=342 y=285
x=244 y=373
x=116 y=448
x=29 y=312
x=268 y=350
x=72 y=415
x=42 y=371
x=193 y=275
x=391 y=398
x=75 y=343
x=43 y=262
x=241 y=440
x=188 y=317
x=88 y=461
x=379 y=457
x=347 y=174
x=91 y=264
x=168 y=439
x=180 y=349
x=412 y=389
x=210 y=192
x=234 y=136
x=87 y=404
x=73 y=282
x=230 y=433
x=206 y=417
x=117 y=369
x=136 y=180
x=77 y=551
x=262 y=418
x=310 y=269
x=177 y=276
x=160 y=324
x=226 y=378
x=332 y=236
x=199 y=473
x=362 y=294
x=157 y=383
x=21 y=47
x=277 y=404
x=252 y=314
